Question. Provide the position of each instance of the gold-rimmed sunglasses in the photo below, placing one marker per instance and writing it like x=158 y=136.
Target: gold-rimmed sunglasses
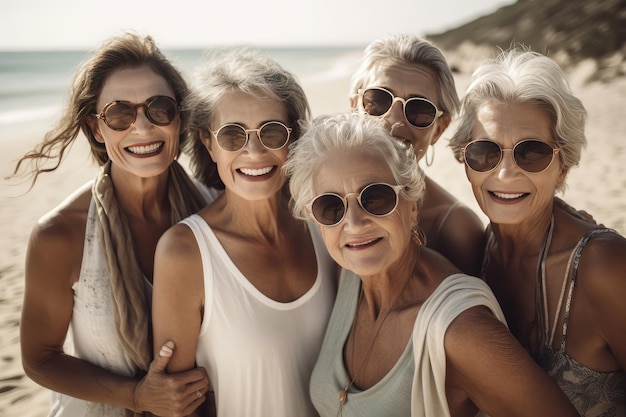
x=419 y=112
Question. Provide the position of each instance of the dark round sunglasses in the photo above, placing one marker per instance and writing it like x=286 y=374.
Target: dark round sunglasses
x=121 y=115
x=530 y=155
x=378 y=199
x=233 y=137
x=419 y=112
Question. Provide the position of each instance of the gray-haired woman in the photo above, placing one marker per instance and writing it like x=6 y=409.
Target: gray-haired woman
x=560 y=279
x=410 y=334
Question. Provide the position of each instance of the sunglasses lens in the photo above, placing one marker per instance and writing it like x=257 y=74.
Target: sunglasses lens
x=231 y=137
x=162 y=111
x=328 y=209
x=119 y=116
x=482 y=155
x=419 y=112
x=533 y=155
x=376 y=102
x=379 y=199
x=274 y=135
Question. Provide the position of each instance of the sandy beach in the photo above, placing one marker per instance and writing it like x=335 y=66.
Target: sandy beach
x=596 y=186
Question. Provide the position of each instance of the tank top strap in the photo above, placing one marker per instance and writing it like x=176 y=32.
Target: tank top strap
x=486 y=258
x=443 y=221
x=576 y=254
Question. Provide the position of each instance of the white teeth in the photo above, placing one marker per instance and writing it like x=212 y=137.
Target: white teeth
x=362 y=243
x=508 y=196
x=256 y=172
x=145 y=149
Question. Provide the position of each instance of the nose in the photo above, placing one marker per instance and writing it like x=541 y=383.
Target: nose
x=507 y=168
x=142 y=124
x=355 y=215
x=254 y=144
x=395 y=115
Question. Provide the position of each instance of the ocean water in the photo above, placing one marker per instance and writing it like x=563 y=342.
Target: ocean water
x=34 y=86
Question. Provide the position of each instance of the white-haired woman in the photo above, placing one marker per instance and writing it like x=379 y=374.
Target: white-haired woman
x=560 y=279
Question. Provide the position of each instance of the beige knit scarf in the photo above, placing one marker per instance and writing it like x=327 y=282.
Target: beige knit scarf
x=130 y=297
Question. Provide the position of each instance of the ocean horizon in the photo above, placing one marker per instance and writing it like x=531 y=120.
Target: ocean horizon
x=34 y=85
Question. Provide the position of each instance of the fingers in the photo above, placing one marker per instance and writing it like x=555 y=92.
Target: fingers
x=194 y=400
x=163 y=358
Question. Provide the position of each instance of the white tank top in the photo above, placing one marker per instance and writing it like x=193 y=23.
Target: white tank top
x=92 y=335
x=259 y=353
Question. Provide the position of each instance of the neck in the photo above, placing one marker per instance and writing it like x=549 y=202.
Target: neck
x=261 y=220
x=381 y=292
x=516 y=241
x=144 y=198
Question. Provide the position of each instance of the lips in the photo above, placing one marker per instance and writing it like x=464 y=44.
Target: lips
x=363 y=244
x=145 y=149
x=256 y=172
x=507 y=196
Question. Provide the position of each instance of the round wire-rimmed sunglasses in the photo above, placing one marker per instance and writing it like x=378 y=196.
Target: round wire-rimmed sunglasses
x=121 y=115
x=233 y=137
x=378 y=199
x=530 y=155
x=419 y=112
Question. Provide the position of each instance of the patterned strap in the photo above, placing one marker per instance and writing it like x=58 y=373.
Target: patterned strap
x=578 y=250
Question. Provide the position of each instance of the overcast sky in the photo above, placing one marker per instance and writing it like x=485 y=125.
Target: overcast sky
x=80 y=24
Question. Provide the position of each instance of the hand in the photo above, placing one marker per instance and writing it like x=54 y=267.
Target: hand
x=166 y=394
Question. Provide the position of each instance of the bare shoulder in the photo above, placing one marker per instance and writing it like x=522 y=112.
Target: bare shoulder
x=602 y=268
x=178 y=242
x=465 y=221
x=65 y=222
x=57 y=239
x=462 y=239
x=178 y=259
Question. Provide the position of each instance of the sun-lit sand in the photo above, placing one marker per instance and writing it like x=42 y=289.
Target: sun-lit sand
x=596 y=186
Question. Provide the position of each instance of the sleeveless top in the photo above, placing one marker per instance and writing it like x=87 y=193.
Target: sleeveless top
x=92 y=335
x=259 y=353
x=593 y=393
x=432 y=243
x=415 y=386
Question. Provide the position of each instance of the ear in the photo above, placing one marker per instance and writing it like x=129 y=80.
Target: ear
x=440 y=126
x=354 y=102
x=562 y=174
x=92 y=121
x=205 y=137
x=414 y=212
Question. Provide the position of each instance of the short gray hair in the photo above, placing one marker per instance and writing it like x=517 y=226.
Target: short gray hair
x=238 y=69
x=345 y=132
x=521 y=76
x=405 y=49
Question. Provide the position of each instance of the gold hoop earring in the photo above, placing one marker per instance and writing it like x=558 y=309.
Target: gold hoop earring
x=432 y=156
x=418 y=236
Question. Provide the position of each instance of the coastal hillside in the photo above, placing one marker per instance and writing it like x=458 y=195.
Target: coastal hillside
x=589 y=32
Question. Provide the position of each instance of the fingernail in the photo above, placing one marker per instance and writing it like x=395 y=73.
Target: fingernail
x=167 y=350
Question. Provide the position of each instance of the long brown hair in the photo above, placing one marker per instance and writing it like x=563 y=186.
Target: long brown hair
x=125 y=51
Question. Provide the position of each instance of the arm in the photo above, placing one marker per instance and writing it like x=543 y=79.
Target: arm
x=486 y=362
x=52 y=265
x=178 y=299
x=599 y=296
x=462 y=240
